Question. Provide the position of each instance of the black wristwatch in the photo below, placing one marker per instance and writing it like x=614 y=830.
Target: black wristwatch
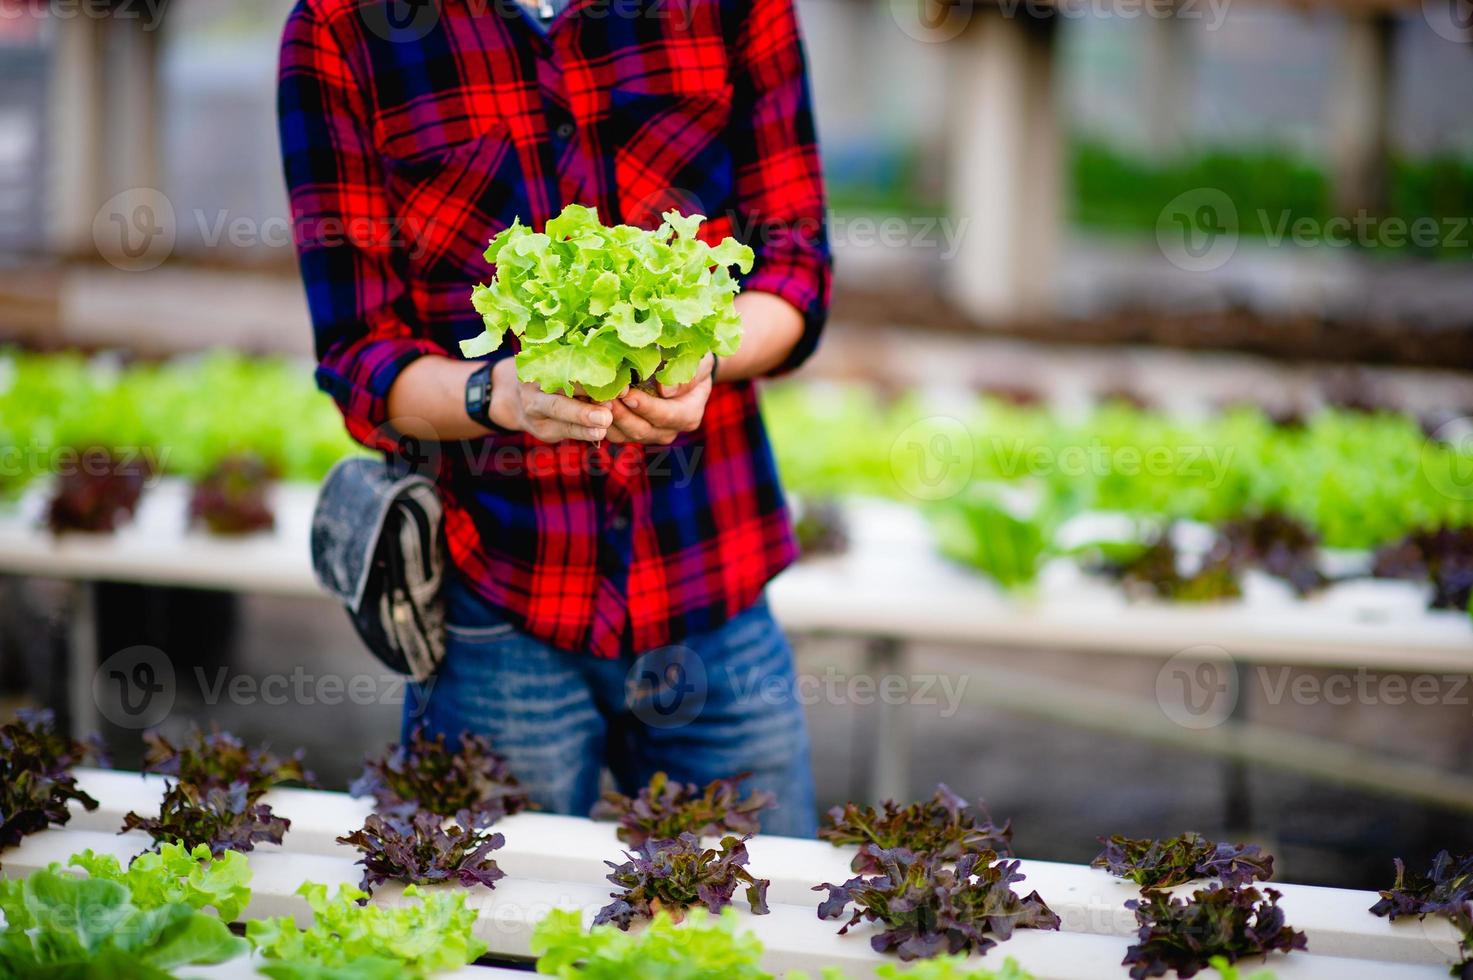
x=478 y=397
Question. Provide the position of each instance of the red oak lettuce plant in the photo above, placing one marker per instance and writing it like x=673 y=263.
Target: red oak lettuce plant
x=666 y=809
x=220 y=760
x=1154 y=573
x=1278 y=544
x=1186 y=934
x=1176 y=860
x=223 y=818
x=36 y=781
x=231 y=497
x=929 y=907
x=1446 y=889
x=1443 y=555
x=426 y=774
x=99 y=493
x=821 y=527
x=676 y=874
x=945 y=826
x=424 y=849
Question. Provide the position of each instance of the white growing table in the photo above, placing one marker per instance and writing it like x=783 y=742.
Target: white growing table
x=890 y=589
x=557 y=862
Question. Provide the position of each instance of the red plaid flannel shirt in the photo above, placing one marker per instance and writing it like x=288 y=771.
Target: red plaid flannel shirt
x=412 y=134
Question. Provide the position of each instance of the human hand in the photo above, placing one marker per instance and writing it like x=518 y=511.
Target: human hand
x=640 y=416
x=524 y=407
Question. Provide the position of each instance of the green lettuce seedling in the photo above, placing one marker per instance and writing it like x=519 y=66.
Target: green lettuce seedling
x=703 y=947
x=429 y=933
x=63 y=925
x=176 y=873
x=598 y=308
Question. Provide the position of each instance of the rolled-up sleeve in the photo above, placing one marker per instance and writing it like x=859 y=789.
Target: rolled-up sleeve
x=779 y=178
x=350 y=247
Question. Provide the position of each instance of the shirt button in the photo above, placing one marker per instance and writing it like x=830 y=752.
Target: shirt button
x=565 y=131
x=619 y=523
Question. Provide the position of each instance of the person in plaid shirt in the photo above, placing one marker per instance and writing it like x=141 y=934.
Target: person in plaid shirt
x=610 y=559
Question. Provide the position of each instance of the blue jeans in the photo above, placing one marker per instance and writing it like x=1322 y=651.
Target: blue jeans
x=716 y=704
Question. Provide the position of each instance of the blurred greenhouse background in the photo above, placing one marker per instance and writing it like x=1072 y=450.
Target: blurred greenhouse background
x=1243 y=226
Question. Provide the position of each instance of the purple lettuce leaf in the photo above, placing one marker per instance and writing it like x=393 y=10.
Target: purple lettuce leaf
x=945 y=826
x=99 y=493
x=677 y=874
x=224 y=818
x=665 y=809
x=426 y=774
x=1442 y=555
x=1280 y=545
x=1177 y=860
x=220 y=760
x=425 y=849
x=232 y=497
x=929 y=907
x=36 y=781
x=1155 y=573
x=1183 y=935
x=1445 y=889
x=821 y=528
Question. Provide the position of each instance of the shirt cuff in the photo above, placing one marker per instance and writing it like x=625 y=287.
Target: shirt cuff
x=803 y=280
x=359 y=378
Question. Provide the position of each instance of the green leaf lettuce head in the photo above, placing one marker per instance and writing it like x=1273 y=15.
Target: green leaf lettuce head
x=428 y=933
x=596 y=308
x=62 y=925
x=175 y=873
x=703 y=947
x=953 y=968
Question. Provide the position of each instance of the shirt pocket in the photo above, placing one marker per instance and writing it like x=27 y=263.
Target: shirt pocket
x=669 y=151
x=450 y=198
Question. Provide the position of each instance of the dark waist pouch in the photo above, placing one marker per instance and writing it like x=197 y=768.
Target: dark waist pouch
x=378 y=547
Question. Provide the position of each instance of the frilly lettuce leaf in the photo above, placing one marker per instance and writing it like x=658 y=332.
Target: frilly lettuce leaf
x=64 y=925
x=597 y=308
x=430 y=933
x=175 y=873
x=702 y=947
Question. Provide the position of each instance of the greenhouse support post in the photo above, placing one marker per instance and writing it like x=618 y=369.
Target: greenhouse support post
x=82 y=660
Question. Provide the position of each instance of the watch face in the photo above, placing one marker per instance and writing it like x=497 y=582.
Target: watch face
x=475 y=393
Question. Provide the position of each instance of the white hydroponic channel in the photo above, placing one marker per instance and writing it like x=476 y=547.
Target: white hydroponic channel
x=558 y=862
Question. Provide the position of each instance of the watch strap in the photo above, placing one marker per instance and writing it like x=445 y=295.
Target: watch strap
x=478 y=397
